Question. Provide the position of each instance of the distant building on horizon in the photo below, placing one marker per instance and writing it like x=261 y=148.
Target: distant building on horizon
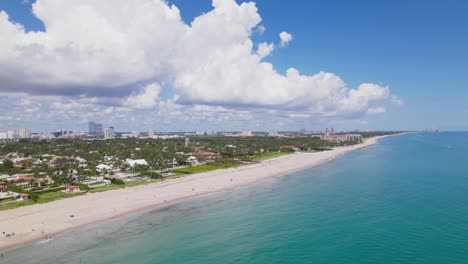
x=151 y=133
x=95 y=129
x=330 y=135
x=63 y=133
x=109 y=133
x=25 y=133
x=246 y=133
x=11 y=134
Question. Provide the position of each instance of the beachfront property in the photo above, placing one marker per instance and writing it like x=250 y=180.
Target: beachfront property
x=13 y=196
x=22 y=181
x=291 y=147
x=132 y=163
x=23 y=197
x=97 y=163
x=192 y=160
x=331 y=136
x=72 y=189
x=199 y=153
x=93 y=181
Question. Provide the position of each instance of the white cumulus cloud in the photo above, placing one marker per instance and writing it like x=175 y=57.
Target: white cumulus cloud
x=285 y=38
x=264 y=49
x=115 y=55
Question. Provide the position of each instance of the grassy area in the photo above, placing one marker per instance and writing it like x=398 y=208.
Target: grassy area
x=266 y=156
x=43 y=198
x=105 y=188
x=8 y=206
x=130 y=184
x=53 y=196
x=205 y=168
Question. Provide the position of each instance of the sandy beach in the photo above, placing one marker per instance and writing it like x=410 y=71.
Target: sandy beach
x=32 y=223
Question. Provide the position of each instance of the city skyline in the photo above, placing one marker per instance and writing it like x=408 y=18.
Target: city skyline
x=285 y=67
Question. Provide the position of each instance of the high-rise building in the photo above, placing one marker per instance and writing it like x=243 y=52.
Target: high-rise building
x=95 y=129
x=11 y=134
x=109 y=133
x=151 y=133
x=25 y=133
x=246 y=133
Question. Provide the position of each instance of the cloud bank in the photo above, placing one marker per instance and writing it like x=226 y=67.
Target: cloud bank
x=114 y=57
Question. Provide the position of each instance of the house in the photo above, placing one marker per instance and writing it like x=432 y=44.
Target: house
x=60 y=162
x=203 y=154
x=289 y=147
x=103 y=167
x=23 y=197
x=18 y=165
x=96 y=180
x=22 y=181
x=191 y=160
x=72 y=189
x=133 y=163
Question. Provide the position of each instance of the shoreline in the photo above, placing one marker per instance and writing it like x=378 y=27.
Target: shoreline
x=33 y=223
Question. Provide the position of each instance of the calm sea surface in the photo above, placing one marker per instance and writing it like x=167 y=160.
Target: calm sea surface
x=404 y=200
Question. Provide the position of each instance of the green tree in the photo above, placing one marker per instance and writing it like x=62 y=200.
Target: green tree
x=7 y=164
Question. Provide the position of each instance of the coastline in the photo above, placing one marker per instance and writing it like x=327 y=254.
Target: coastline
x=33 y=223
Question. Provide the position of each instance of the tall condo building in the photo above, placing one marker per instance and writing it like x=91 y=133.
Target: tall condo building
x=11 y=134
x=95 y=129
x=109 y=133
x=25 y=133
x=151 y=133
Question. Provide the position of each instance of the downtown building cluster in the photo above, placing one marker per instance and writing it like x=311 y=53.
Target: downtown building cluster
x=14 y=134
x=95 y=130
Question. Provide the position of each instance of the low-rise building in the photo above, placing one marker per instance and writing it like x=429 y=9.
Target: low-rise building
x=96 y=181
x=103 y=167
x=192 y=160
x=22 y=181
x=23 y=197
x=133 y=163
x=200 y=152
x=290 y=147
x=72 y=189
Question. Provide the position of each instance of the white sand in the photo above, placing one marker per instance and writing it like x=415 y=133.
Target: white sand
x=52 y=218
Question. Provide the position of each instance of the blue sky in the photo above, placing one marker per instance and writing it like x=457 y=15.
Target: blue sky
x=419 y=49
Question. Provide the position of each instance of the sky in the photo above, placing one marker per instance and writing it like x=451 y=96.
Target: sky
x=227 y=65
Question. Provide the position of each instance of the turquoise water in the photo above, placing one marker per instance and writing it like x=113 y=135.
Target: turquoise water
x=404 y=200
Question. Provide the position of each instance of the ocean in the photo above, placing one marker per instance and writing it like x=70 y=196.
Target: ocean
x=404 y=200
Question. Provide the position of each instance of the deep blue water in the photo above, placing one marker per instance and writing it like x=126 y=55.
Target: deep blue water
x=404 y=200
